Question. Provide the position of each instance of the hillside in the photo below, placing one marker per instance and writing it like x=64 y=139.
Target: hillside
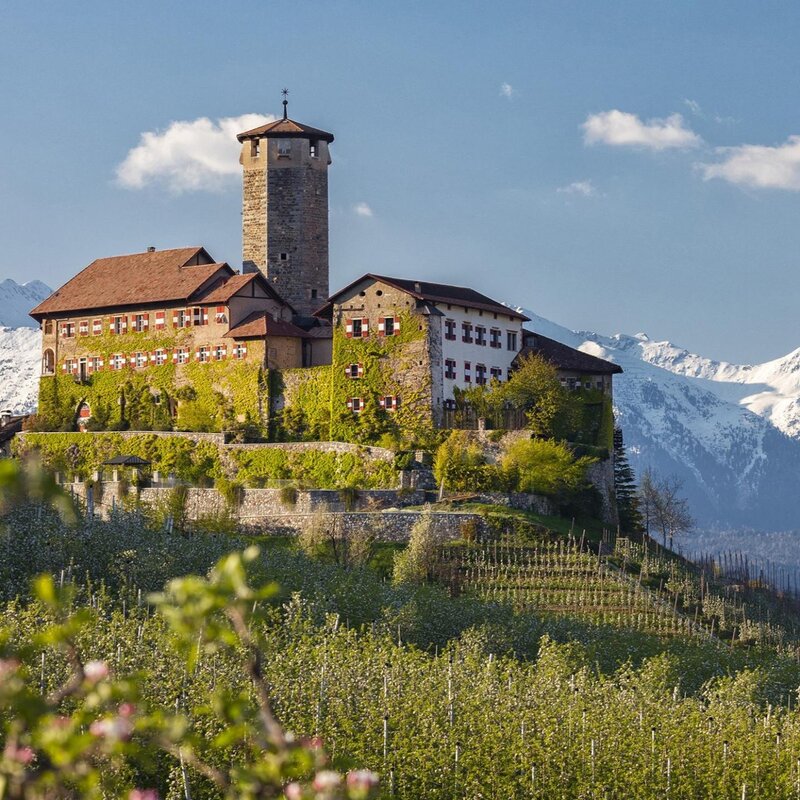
x=545 y=672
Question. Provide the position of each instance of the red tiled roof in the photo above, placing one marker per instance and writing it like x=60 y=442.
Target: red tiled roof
x=260 y=324
x=160 y=276
x=285 y=129
x=434 y=293
x=222 y=291
x=227 y=288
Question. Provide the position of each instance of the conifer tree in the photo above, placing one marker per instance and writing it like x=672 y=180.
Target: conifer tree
x=630 y=514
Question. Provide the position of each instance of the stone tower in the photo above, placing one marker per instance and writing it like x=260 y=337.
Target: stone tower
x=285 y=209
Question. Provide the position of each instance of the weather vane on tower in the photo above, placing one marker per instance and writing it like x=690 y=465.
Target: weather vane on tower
x=285 y=94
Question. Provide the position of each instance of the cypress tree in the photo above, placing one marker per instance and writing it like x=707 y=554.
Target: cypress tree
x=630 y=515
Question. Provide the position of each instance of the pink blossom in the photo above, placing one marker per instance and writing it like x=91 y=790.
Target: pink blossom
x=326 y=780
x=127 y=709
x=22 y=755
x=293 y=791
x=362 y=779
x=143 y=794
x=112 y=728
x=95 y=671
x=8 y=666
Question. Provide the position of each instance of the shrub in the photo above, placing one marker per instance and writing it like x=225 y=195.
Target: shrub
x=288 y=495
x=460 y=462
x=544 y=467
x=414 y=564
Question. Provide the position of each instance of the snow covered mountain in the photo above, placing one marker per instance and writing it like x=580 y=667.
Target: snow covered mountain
x=20 y=344
x=17 y=299
x=731 y=432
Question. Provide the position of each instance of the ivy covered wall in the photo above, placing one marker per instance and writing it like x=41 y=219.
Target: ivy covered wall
x=214 y=396
x=203 y=462
x=397 y=365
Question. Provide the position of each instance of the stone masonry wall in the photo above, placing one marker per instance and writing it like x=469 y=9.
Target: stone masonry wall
x=285 y=219
x=262 y=512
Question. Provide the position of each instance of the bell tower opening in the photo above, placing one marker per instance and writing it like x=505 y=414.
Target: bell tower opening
x=285 y=208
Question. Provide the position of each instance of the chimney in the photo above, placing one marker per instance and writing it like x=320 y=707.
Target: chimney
x=151 y=249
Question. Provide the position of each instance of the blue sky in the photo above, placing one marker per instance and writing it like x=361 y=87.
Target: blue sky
x=476 y=143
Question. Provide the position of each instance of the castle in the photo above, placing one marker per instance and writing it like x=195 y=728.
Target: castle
x=171 y=339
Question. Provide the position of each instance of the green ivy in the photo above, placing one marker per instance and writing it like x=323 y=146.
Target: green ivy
x=81 y=454
x=258 y=467
x=386 y=359
x=215 y=396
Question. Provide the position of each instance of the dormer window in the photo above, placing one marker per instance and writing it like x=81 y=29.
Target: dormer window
x=284 y=147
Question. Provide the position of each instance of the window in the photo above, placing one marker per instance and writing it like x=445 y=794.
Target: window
x=180 y=318
x=356 y=404
x=180 y=355
x=67 y=330
x=117 y=361
x=357 y=328
x=511 y=340
x=313 y=149
x=255 y=148
x=83 y=327
x=160 y=357
x=203 y=354
x=450 y=330
x=220 y=351
x=480 y=335
x=119 y=325
x=283 y=256
x=139 y=360
x=480 y=374
x=494 y=338
x=141 y=322
x=199 y=316
x=449 y=369
x=284 y=147
x=219 y=315
x=496 y=373
x=95 y=364
x=313 y=293
x=239 y=350
x=466 y=332
x=97 y=327
x=48 y=362
x=467 y=373
x=390 y=402
x=354 y=371
x=48 y=327
x=68 y=365
x=388 y=326
x=160 y=324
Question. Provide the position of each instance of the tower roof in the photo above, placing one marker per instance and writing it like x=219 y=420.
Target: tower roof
x=285 y=129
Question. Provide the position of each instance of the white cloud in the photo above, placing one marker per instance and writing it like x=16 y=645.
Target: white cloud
x=584 y=188
x=507 y=90
x=363 y=210
x=759 y=166
x=693 y=106
x=200 y=154
x=620 y=129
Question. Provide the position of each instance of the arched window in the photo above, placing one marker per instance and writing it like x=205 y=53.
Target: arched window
x=48 y=362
